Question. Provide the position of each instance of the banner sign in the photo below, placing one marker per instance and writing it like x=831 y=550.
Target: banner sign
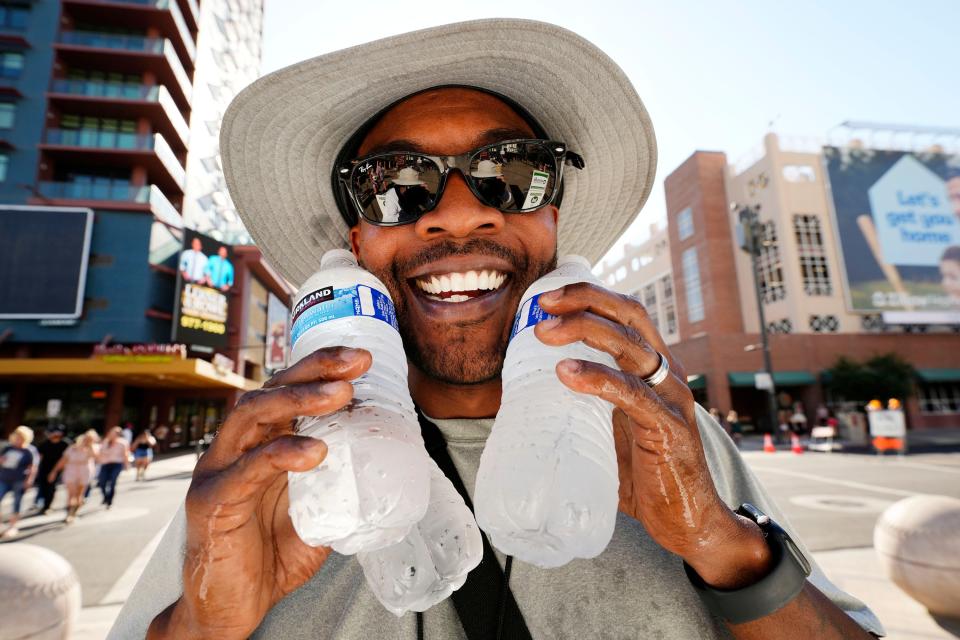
x=278 y=333
x=205 y=277
x=897 y=218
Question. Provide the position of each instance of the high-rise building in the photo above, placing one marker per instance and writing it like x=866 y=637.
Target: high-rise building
x=115 y=106
x=830 y=281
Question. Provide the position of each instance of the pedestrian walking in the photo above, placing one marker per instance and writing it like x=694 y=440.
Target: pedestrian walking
x=734 y=426
x=143 y=447
x=18 y=469
x=114 y=457
x=77 y=465
x=51 y=450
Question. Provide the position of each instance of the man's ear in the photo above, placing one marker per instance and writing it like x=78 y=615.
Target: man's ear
x=355 y=241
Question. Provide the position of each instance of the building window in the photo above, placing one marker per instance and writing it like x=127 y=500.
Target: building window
x=7 y=111
x=939 y=398
x=11 y=64
x=770 y=266
x=621 y=273
x=4 y=163
x=650 y=303
x=635 y=264
x=691 y=281
x=685 y=223
x=813 y=258
x=824 y=324
x=13 y=17
x=780 y=326
x=669 y=307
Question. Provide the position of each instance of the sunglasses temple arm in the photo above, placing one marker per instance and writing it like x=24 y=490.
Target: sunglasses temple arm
x=574 y=159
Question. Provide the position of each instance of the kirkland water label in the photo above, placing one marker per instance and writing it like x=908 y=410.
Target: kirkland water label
x=529 y=314
x=327 y=304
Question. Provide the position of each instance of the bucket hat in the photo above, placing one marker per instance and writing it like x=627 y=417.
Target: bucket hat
x=282 y=134
x=407 y=177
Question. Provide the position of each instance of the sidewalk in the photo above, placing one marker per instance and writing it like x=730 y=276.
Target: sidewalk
x=858 y=572
x=918 y=441
x=95 y=621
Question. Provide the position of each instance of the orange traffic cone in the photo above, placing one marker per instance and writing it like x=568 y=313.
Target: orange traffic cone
x=768 y=443
x=795 y=445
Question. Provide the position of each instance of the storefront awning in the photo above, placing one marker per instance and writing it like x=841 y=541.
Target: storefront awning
x=780 y=378
x=697 y=381
x=147 y=371
x=939 y=375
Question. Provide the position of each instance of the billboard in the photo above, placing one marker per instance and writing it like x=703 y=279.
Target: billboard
x=278 y=333
x=43 y=261
x=205 y=276
x=897 y=219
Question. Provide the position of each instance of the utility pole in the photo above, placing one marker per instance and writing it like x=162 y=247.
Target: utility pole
x=750 y=237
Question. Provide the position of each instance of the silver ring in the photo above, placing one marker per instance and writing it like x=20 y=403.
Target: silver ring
x=660 y=374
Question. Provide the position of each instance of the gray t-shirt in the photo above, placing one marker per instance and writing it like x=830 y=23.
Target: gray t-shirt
x=634 y=589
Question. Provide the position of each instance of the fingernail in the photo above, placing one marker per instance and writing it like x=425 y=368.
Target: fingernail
x=550 y=323
x=568 y=365
x=550 y=296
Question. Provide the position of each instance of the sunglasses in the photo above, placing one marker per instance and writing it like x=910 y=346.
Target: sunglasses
x=514 y=176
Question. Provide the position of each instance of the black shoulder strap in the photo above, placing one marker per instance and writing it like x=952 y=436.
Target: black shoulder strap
x=485 y=604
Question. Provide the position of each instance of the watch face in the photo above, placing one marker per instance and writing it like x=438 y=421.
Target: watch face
x=796 y=553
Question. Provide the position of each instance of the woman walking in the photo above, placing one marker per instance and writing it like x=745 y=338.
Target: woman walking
x=114 y=458
x=143 y=452
x=77 y=465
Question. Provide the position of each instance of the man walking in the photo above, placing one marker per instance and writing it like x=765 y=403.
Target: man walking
x=298 y=147
x=51 y=450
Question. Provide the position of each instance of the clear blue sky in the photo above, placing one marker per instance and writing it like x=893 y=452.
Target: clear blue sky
x=713 y=75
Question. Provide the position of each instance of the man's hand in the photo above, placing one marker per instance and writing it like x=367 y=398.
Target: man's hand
x=242 y=553
x=664 y=479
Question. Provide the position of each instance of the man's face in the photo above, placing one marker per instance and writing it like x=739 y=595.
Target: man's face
x=950 y=278
x=953 y=191
x=195 y=244
x=222 y=252
x=455 y=342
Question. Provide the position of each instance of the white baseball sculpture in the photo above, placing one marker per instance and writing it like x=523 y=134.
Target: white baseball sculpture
x=39 y=594
x=918 y=541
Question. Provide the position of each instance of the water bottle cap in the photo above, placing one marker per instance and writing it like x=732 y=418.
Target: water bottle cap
x=337 y=258
x=574 y=259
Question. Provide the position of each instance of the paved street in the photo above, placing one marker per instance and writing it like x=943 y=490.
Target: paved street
x=833 y=501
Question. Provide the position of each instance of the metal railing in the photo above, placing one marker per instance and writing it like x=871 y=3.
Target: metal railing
x=118 y=192
x=127 y=91
x=99 y=139
x=113 y=41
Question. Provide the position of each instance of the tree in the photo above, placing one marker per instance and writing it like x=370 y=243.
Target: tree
x=883 y=377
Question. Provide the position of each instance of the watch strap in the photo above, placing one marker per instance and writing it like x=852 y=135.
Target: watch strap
x=781 y=585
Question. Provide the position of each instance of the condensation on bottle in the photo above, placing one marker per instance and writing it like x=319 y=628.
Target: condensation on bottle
x=547 y=486
x=433 y=560
x=374 y=484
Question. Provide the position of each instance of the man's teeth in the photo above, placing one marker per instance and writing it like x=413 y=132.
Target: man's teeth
x=448 y=287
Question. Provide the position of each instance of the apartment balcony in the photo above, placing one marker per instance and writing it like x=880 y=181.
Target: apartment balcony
x=164 y=15
x=147 y=198
x=92 y=147
x=124 y=101
x=127 y=54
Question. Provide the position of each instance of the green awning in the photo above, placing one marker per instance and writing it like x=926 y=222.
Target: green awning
x=780 y=378
x=698 y=381
x=939 y=375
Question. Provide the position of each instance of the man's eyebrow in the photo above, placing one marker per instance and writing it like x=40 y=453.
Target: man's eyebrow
x=490 y=136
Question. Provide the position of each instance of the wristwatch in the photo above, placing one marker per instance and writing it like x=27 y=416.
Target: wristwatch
x=781 y=585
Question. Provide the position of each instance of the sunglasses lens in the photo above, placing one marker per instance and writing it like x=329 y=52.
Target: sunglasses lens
x=396 y=188
x=515 y=176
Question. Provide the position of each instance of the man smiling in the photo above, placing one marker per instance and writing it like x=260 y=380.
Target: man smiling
x=696 y=552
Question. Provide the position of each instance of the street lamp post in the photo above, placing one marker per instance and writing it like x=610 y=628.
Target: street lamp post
x=750 y=237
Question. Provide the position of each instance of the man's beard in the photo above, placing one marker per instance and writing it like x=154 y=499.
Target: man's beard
x=459 y=356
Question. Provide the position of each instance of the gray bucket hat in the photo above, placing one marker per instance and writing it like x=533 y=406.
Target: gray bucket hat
x=281 y=134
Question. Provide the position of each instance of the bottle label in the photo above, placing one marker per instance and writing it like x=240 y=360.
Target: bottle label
x=327 y=304
x=529 y=314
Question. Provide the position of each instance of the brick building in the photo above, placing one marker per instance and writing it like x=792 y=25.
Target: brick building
x=801 y=284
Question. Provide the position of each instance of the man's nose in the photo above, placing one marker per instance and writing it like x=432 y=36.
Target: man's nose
x=459 y=214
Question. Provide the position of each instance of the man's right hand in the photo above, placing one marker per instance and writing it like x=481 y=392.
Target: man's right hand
x=242 y=553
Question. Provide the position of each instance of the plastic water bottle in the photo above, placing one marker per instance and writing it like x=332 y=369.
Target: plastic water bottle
x=433 y=560
x=547 y=487
x=374 y=484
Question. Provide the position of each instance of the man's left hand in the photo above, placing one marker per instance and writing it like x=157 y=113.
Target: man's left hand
x=664 y=479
